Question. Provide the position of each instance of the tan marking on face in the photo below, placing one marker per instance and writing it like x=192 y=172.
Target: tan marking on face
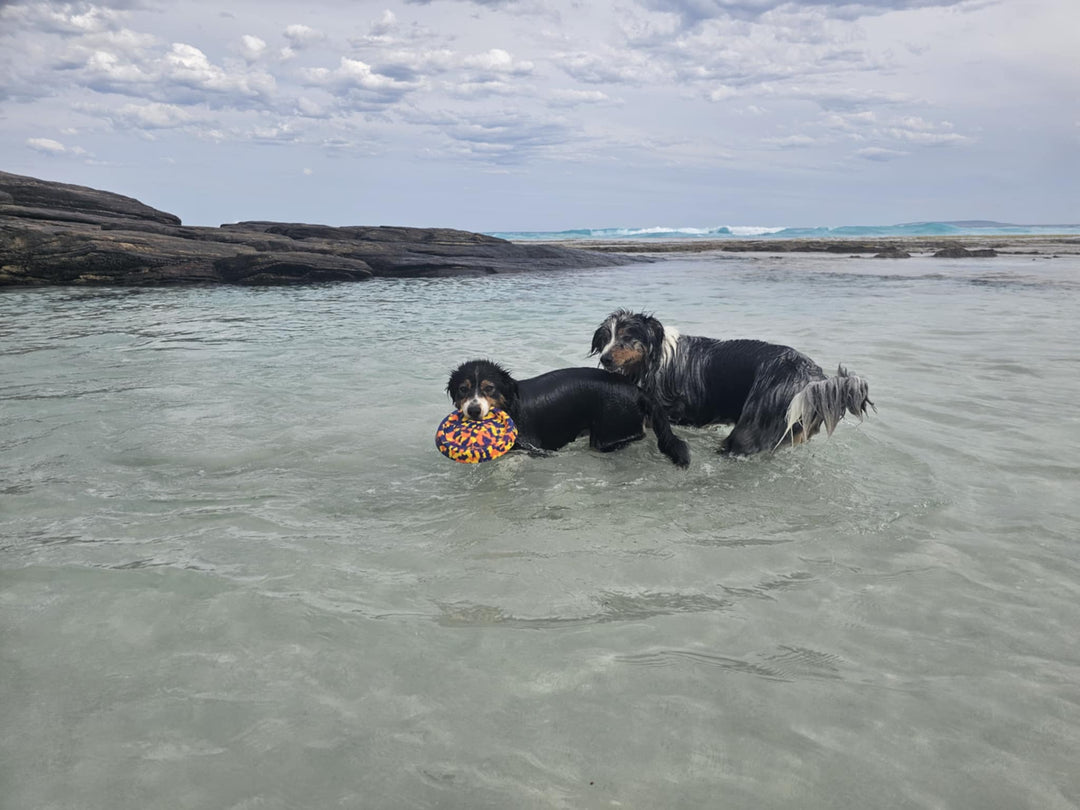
x=490 y=391
x=627 y=356
x=485 y=393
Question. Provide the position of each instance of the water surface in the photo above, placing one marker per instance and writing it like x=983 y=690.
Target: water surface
x=235 y=572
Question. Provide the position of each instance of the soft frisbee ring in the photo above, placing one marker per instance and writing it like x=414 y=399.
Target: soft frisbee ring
x=471 y=441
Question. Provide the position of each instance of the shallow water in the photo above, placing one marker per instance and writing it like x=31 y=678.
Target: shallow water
x=235 y=572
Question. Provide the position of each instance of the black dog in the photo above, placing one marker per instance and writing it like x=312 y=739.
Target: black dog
x=556 y=408
x=772 y=394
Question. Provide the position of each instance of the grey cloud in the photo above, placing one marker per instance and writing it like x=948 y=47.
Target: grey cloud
x=880 y=154
x=848 y=99
x=412 y=66
x=475 y=90
x=609 y=67
x=506 y=138
x=154 y=115
x=359 y=86
x=692 y=12
x=791 y=142
x=905 y=131
x=487 y=3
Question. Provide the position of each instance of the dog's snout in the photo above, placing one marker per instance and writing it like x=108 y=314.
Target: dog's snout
x=606 y=361
x=473 y=410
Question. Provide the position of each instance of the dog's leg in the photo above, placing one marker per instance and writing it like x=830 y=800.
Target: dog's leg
x=655 y=417
x=611 y=444
x=532 y=449
x=751 y=434
x=738 y=443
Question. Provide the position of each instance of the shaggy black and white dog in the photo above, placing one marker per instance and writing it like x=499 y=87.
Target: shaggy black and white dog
x=556 y=408
x=772 y=394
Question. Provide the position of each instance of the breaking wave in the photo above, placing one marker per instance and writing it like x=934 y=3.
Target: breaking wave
x=973 y=227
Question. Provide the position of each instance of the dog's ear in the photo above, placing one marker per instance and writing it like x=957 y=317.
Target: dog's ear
x=600 y=338
x=656 y=329
x=509 y=388
x=457 y=377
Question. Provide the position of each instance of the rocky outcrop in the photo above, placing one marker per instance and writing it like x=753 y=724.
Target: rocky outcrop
x=54 y=233
x=964 y=253
x=893 y=253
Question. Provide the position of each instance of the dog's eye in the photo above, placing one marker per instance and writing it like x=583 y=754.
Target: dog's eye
x=463 y=388
x=488 y=389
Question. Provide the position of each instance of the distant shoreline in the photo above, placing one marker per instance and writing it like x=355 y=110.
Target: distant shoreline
x=1002 y=244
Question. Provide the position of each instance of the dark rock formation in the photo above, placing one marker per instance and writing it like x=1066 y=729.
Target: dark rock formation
x=54 y=233
x=963 y=253
x=892 y=253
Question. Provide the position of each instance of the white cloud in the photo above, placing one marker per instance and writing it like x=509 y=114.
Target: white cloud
x=924 y=137
x=497 y=62
x=252 y=47
x=56 y=18
x=188 y=66
x=48 y=146
x=302 y=36
x=358 y=85
x=574 y=98
x=384 y=25
x=106 y=71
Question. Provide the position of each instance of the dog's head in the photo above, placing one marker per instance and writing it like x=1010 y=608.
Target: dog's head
x=480 y=385
x=629 y=343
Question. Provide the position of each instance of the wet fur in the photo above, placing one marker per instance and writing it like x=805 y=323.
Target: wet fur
x=773 y=394
x=558 y=407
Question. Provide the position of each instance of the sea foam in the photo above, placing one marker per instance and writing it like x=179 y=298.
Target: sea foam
x=957 y=228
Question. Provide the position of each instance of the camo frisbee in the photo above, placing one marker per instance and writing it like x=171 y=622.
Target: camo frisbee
x=471 y=441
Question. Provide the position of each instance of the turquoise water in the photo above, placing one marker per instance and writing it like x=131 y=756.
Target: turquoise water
x=236 y=573
x=927 y=229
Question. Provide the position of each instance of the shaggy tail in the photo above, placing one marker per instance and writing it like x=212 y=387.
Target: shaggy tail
x=668 y=443
x=824 y=403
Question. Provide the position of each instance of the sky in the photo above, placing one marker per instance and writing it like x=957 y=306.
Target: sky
x=543 y=115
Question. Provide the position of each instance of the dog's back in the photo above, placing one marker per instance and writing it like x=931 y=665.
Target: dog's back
x=708 y=381
x=555 y=408
x=562 y=405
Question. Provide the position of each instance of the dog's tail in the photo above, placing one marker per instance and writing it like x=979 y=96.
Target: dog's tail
x=825 y=402
x=668 y=443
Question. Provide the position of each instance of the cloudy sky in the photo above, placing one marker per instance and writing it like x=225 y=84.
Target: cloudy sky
x=550 y=114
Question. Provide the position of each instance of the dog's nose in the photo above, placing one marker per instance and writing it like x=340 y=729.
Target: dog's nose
x=606 y=361
x=473 y=411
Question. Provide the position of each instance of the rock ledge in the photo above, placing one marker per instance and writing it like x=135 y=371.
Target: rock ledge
x=55 y=234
